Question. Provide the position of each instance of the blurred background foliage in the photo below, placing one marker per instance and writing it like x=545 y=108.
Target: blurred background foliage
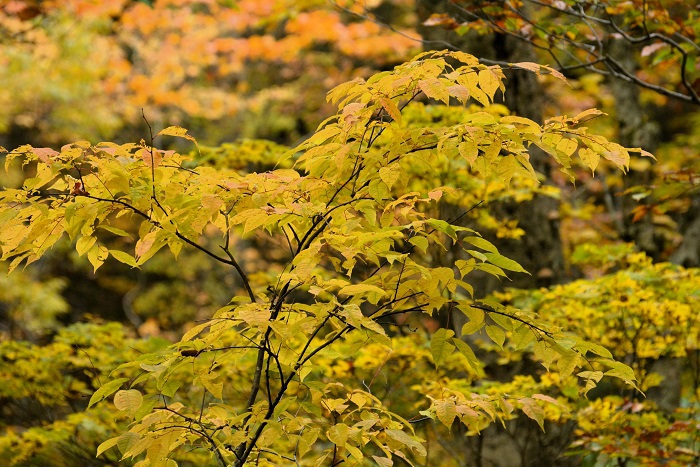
x=614 y=258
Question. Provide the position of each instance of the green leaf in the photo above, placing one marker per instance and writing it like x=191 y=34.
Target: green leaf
x=620 y=370
x=443 y=226
x=106 y=390
x=568 y=363
x=522 y=337
x=592 y=375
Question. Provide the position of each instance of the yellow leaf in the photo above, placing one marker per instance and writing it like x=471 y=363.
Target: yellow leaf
x=460 y=92
x=496 y=334
x=391 y=109
x=338 y=434
x=589 y=157
x=567 y=146
x=145 y=243
x=587 y=113
x=476 y=320
x=434 y=89
x=97 y=255
x=390 y=174
x=383 y=461
x=176 y=131
x=357 y=289
x=107 y=445
x=446 y=412
x=489 y=82
x=128 y=400
x=530 y=66
x=469 y=150
x=216 y=389
x=84 y=244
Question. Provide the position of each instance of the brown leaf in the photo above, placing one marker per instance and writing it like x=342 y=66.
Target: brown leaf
x=151 y=157
x=651 y=48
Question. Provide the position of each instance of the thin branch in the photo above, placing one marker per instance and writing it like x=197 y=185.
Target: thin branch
x=514 y=318
x=230 y=261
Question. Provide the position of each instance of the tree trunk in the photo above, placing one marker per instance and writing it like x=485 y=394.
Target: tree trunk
x=540 y=250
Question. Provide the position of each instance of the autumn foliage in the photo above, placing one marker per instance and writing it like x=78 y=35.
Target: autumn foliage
x=312 y=301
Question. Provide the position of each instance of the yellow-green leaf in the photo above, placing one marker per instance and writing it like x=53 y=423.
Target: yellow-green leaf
x=476 y=320
x=338 y=434
x=97 y=255
x=505 y=263
x=106 y=390
x=84 y=244
x=127 y=441
x=390 y=174
x=440 y=346
x=446 y=412
x=107 y=445
x=467 y=351
x=496 y=334
x=123 y=257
